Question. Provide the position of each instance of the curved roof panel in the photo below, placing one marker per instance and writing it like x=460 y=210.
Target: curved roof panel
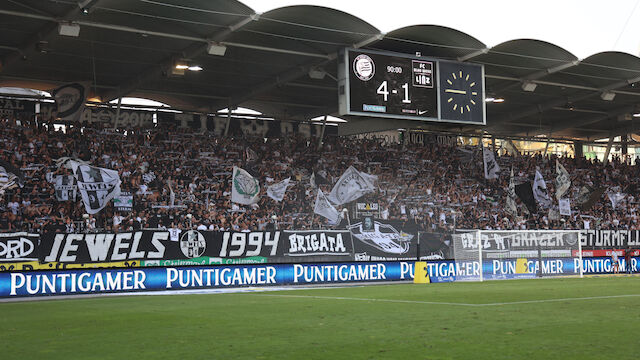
x=130 y=47
x=430 y=40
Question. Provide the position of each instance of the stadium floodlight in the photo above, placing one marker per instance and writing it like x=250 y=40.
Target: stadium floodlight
x=317 y=73
x=195 y=68
x=529 y=86
x=214 y=48
x=607 y=96
x=636 y=115
x=68 y=29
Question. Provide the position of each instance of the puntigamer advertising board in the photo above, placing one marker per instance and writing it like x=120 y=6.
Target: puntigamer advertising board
x=84 y=281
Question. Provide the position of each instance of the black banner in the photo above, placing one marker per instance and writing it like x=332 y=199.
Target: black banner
x=330 y=245
x=107 y=116
x=381 y=240
x=609 y=239
x=19 y=246
x=369 y=240
x=156 y=245
x=13 y=107
x=241 y=127
x=435 y=246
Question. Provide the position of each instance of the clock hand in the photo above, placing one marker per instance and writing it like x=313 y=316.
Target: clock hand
x=455 y=91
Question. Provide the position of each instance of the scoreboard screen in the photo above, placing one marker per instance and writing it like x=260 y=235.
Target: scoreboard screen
x=390 y=85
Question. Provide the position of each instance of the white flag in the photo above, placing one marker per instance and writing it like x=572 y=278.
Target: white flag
x=70 y=100
x=324 y=208
x=172 y=195
x=245 y=189
x=511 y=207
x=97 y=186
x=540 y=191
x=351 y=186
x=312 y=180
x=615 y=198
x=277 y=190
x=491 y=167
x=563 y=181
x=565 y=207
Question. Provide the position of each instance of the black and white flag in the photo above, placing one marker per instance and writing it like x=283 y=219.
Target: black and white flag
x=10 y=177
x=563 y=181
x=277 y=190
x=351 y=186
x=245 y=189
x=540 y=192
x=65 y=187
x=68 y=162
x=511 y=207
x=324 y=208
x=97 y=186
x=564 y=207
x=318 y=179
x=491 y=167
x=70 y=100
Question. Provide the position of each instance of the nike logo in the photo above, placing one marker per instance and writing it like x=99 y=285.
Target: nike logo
x=421 y=112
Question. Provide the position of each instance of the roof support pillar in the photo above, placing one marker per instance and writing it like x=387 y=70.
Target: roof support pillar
x=608 y=151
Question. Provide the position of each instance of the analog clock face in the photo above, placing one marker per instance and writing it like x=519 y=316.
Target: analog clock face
x=461 y=92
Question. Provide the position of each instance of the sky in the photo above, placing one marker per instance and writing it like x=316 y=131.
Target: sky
x=581 y=27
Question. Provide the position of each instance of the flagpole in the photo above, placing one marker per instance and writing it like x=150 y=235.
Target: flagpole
x=353 y=249
x=311 y=224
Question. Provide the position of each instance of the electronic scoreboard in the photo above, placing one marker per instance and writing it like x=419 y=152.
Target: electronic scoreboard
x=399 y=86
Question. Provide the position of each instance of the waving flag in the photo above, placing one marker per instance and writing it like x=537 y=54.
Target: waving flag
x=322 y=207
x=351 y=186
x=511 y=207
x=540 y=191
x=563 y=181
x=277 y=190
x=245 y=189
x=491 y=167
x=97 y=186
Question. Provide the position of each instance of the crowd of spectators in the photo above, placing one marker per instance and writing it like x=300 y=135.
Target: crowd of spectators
x=439 y=187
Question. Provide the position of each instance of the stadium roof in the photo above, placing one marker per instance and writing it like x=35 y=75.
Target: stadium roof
x=129 y=48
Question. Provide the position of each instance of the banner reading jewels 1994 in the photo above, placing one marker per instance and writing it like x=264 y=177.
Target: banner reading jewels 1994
x=156 y=248
x=373 y=241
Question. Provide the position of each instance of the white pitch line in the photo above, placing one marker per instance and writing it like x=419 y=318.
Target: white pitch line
x=449 y=303
x=366 y=299
x=562 y=299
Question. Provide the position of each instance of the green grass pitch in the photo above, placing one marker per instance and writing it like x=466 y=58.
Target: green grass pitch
x=570 y=318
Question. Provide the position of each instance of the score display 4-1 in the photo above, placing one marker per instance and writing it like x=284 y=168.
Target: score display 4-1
x=389 y=86
x=400 y=86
